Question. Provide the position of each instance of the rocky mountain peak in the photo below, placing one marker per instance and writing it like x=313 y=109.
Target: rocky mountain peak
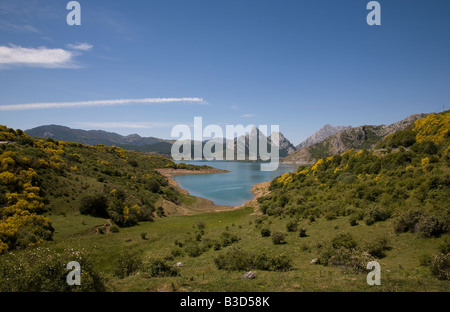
x=323 y=133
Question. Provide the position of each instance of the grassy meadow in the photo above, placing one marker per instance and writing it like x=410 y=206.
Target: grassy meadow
x=400 y=269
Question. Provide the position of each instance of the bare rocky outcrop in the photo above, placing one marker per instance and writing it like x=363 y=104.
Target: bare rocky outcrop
x=321 y=134
x=361 y=137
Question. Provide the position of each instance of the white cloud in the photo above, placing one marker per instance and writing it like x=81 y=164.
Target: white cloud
x=247 y=115
x=126 y=124
x=48 y=105
x=80 y=46
x=38 y=57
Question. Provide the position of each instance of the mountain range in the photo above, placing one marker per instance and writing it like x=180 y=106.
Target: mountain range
x=137 y=143
x=327 y=141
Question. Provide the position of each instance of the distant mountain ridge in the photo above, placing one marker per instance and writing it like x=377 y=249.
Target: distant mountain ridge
x=361 y=137
x=136 y=142
x=94 y=137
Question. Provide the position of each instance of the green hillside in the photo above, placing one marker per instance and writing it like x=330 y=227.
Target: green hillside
x=50 y=177
x=406 y=183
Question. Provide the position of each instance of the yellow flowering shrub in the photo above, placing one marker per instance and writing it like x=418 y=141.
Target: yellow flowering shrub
x=3 y=247
x=434 y=127
x=425 y=161
x=315 y=167
x=104 y=163
x=7 y=178
x=146 y=176
x=285 y=178
x=19 y=214
x=27 y=175
x=303 y=172
x=136 y=209
x=126 y=212
x=6 y=136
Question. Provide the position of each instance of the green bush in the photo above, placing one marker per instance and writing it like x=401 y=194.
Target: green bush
x=428 y=226
x=193 y=249
x=377 y=247
x=404 y=138
x=425 y=260
x=265 y=232
x=376 y=213
x=278 y=238
x=201 y=225
x=425 y=147
x=292 y=226
x=237 y=259
x=160 y=267
x=261 y=261
x=406 y=220
x=177 y=252
x=114 y=229
x=344 y=240
x=440 y=266
x=226 y=239
x=280 y=262
x=153 y=185
x=43 y=270
x=421 y=222
x=128 y=263
x=330 y=215
x=259 y=220
x=353 y=220
x=349 y=259
x=444 y=247
x=94 y=205
x=302 y=232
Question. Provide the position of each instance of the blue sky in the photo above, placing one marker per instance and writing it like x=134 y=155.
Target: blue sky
x=293 y=63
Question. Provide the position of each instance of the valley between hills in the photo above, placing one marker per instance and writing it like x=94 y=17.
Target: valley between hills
x=360 y=194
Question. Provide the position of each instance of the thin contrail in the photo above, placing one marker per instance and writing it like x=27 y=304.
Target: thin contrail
x=47 y=105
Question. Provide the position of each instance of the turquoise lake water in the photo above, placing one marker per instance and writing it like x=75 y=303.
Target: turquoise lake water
x=232 y=188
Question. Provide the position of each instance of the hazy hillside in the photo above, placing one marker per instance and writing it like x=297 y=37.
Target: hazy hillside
x=94 y=137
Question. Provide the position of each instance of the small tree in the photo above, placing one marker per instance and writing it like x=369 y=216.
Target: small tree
x=292 y=226
x=265 y=232
x=94 y=205
x=278 y=238
x=302 y=232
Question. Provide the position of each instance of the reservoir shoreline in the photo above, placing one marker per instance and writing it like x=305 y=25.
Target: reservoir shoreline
x=258 y=190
